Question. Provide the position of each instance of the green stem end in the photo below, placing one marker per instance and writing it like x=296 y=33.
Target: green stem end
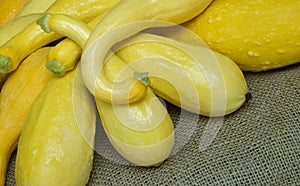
x=142 y=77
x=5 y=64
x=43 y=22
x=56 y=67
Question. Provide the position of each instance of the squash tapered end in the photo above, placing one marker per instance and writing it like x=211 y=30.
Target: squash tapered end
x=43 y=22
x=56 y=67
x=142 y=77
x=5 y=64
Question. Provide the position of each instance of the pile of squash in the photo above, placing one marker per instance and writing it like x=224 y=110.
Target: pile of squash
x=64 y=62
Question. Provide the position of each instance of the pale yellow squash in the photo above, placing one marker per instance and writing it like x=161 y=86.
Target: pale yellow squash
x=127 y=91
x=141 y=132
x=192 y=77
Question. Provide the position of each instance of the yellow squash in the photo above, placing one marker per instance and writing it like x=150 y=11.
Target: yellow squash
x=12 y=28
x=131 y=11
x=17 y=95
x=192 y=77
x=257 y=35
x=65 y=55
x=120 y=23
x=9 y=9
x=33 y=37
x=56 y=145
x=127 y=91
x=142 y=132
x=35 y=6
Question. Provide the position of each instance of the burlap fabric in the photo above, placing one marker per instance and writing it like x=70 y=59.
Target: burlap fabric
x=257 y=145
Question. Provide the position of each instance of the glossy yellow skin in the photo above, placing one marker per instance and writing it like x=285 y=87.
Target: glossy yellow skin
x=34 y=7
x=257 y=35
x=142 y=132
x=9 y=9
x=12 y=28
x=117 y=25
x=128 y=91
x=56 y=145
x=33 y=37
x=17 y=95
x=194 y=78
x=65 y=55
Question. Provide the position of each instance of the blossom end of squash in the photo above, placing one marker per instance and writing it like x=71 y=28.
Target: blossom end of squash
x=5 y=64
x=142 y=77
x=43 y=22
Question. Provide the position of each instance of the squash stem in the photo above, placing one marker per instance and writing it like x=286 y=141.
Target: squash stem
x=43 y=22
x=5 y=64
x=56 y=67
x=142 y=77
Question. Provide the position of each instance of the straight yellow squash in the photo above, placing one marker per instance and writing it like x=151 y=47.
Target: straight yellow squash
x=33 y=37
x=17 y=95
x=56 y=145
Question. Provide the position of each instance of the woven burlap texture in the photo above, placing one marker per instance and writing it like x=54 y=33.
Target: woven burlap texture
x=257 y=145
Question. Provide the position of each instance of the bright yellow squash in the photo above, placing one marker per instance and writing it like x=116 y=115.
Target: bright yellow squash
x=12 y=28
x=9 y=9
x=33 y=37
x=56 y=145
x=257 y=35
x=17 y=95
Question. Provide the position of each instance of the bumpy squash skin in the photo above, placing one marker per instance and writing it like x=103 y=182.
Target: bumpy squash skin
x=9 y=9
x=257 y=35
x=17 y=95
x=56 y=145
x=212 y=85
x=33 y=37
